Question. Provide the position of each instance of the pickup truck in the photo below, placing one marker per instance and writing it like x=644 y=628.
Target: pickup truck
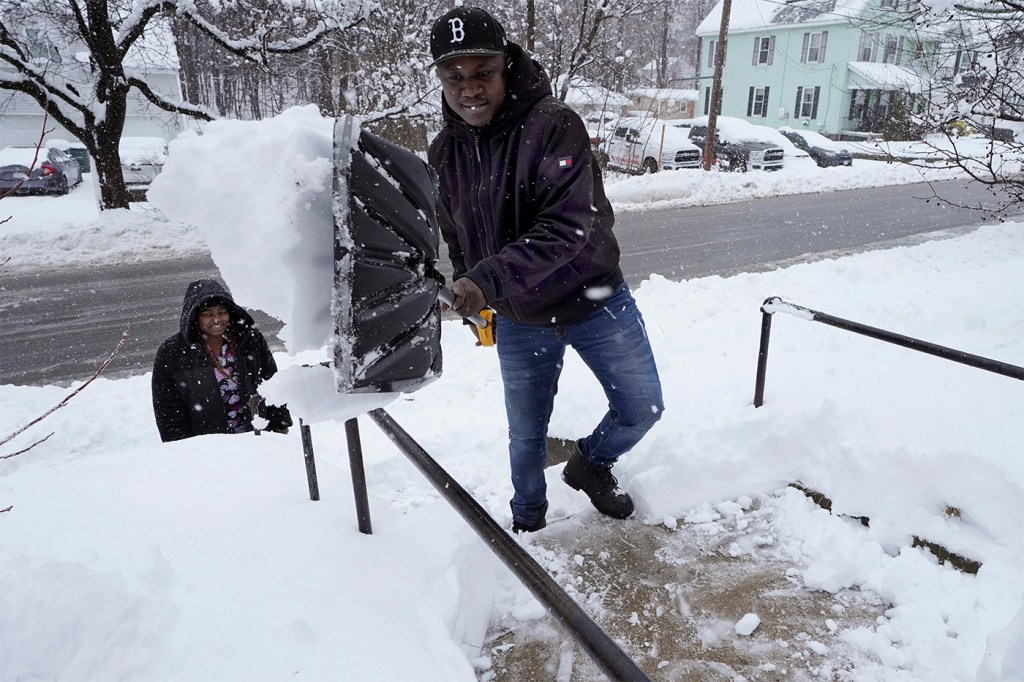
x=740 y=152
x=647 y=146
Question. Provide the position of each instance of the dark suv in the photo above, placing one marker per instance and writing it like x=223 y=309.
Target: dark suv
x=736 y=154
x=824 y=151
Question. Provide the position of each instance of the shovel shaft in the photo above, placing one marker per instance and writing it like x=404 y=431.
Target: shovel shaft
x=448 y=298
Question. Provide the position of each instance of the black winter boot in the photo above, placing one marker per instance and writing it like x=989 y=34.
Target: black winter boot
x=541 y=522
x=599 y=485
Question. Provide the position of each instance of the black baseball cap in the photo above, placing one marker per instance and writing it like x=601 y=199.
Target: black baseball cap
x=466 y=31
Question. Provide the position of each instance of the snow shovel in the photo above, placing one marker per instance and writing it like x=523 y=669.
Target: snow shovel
x=386 y=284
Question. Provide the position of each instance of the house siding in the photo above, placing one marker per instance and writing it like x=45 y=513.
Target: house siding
x=21 y=118
x=787 y=74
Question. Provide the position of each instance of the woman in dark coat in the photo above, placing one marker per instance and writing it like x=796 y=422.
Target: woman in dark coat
x=205 y=376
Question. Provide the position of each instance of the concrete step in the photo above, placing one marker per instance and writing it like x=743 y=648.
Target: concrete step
x=671 y=597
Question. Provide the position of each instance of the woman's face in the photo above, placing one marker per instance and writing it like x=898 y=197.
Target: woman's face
x=214 y=321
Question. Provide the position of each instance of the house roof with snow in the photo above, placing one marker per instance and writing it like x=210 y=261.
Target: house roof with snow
x=584 y=93
x=879 y=76
x=750 y=15
x=155 y=50
x=666 y=94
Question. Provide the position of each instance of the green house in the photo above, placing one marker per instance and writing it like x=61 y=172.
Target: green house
x=838 y=67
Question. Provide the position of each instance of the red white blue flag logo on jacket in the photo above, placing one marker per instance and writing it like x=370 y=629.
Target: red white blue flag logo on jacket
x=565 y=162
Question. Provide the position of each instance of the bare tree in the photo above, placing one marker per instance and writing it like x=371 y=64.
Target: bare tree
x=377 y=70
x=974 y=53
x=40 y=44
x=99 y=370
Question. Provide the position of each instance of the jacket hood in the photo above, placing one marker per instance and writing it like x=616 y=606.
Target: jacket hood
x=198 y=293
x=526 y=84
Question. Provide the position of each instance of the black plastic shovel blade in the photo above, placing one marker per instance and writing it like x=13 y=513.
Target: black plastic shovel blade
x=386 y=313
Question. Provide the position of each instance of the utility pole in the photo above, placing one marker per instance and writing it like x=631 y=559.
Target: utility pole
x=716 y=85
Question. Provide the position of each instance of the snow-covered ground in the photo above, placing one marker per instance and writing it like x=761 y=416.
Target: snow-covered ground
x=125 y=558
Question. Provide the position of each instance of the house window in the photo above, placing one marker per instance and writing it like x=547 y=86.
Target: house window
x=814 y=47
x=39 y=47
x=707 y=101
x=868 y=47
x=890 y=3
x=858 y=104
x=764 y=51
x=892 y=50
x=757 y=102
x=884 y=104
x=712 y=45
x=807 y=102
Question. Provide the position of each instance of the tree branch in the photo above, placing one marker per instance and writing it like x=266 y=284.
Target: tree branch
x=167 y=105
x=24 y=450
x=69 y=396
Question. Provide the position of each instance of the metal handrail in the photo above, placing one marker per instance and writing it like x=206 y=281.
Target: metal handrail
x=615 y=663
x=774 y=304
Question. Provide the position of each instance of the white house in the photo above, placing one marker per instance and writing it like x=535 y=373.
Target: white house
x=666 y=102
x=587 y=97
x=153 y=58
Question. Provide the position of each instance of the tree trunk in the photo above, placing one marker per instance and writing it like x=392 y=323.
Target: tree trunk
x=113 y=193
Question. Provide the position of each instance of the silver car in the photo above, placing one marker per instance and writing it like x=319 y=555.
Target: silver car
x=42 y=170
x=142 y=159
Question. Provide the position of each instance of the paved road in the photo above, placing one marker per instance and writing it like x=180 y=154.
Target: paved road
x=57 y=325
x=760 y=235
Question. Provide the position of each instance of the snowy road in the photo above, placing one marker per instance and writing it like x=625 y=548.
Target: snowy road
x=57 y=325
x=763 y=234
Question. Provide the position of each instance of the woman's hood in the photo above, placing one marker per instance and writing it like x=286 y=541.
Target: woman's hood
x=200 y=292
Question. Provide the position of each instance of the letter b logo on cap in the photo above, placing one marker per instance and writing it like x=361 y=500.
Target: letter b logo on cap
x=458 y=34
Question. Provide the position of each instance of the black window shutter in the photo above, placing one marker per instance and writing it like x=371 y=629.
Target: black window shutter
x=814 y=105
x=764 y=103
x=707 y=99
x=799 y=97
x=750 y=102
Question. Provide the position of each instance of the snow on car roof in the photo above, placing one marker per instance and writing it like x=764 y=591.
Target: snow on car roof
x=21 y=156
x=817 y=139
x=143 y=149
x=738 y=129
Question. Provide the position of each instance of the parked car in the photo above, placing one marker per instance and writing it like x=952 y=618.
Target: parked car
x=739 y=145
x=142 y=159
x=647 y=145
x=76 y=150
x=46 y=170
x=824 y=151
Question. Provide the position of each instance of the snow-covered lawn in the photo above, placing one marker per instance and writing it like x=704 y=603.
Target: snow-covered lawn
x=125 y=558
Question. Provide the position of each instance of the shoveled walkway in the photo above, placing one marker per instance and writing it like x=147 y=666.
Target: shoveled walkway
x=672 y=598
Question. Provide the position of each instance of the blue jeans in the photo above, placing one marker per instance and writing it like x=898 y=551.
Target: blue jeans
x=613 y=342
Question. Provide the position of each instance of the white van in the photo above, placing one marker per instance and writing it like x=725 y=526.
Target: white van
x=647 y=146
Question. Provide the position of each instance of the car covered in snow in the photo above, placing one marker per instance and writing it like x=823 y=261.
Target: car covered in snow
x=37 y=170
x=824 y=151
x=142 y=159
x=647 y=145
x=739 y=145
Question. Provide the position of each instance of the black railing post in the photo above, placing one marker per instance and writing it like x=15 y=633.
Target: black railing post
x=775 y=304
x=307 y=451
x=355 y=460
x=615 y=663
x=762 y=355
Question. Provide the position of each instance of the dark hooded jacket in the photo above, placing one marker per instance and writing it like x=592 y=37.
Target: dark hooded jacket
x=186 y=396
x=522 y=204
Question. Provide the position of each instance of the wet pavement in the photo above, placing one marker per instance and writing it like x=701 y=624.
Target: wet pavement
x=672 y=598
